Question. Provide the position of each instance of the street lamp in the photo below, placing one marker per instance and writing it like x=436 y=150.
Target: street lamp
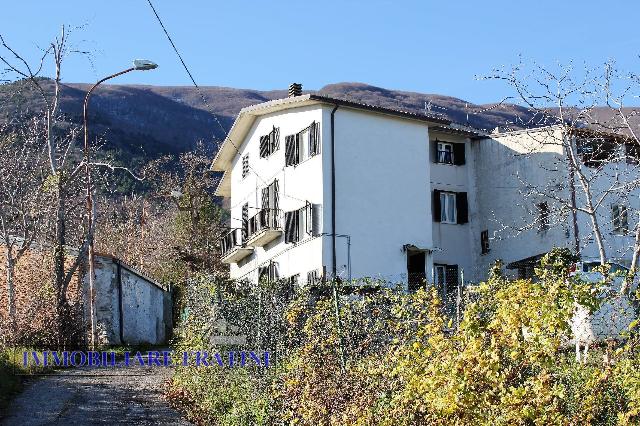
x=138 y=65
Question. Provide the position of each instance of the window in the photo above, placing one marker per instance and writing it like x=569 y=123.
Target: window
x=245 y=166
x=484 y=241
x=543 y=217
x=314 y=277
x=449 y=153
x=447 y=207
x=445 y=153
x=269 y=273
x=298 y=224
x=446 y=280
x=270 y=196
x=620 y=219
x=303 y=145
x=292 y=151
x=450 y=207
x=270 y=142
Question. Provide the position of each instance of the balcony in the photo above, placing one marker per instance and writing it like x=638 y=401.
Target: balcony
x=232 y=248
x=264 y=227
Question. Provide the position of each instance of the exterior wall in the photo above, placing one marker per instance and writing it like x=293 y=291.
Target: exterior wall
x=503 y=163
x=297 y=185
x=146 y=307
x=146 y=310
x=618 y=247
x=456 y=244
x=382 y=192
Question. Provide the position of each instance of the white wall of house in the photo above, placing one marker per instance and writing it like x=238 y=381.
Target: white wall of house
x=382 y=192
x=297 y=185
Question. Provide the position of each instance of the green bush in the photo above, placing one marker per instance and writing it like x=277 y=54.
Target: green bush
x=389 y=358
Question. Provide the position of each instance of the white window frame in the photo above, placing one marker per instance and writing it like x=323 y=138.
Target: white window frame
x=445 y=147
x=446 y=200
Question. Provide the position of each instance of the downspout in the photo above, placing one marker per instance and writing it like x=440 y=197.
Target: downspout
x=333 y=192
x=120 y=322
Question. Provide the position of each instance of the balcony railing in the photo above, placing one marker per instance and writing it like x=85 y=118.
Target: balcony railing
x=232 y=247
x=264 y=227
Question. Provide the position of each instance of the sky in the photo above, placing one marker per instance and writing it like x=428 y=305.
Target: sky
x=424 y=46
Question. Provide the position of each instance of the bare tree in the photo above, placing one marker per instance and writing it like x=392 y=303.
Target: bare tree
x=23 y=201
x=65 y=177
x=585 y=142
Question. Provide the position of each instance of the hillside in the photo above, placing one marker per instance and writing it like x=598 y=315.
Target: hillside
x=148 y=121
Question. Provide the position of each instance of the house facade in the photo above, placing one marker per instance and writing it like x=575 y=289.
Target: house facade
x=322 y=187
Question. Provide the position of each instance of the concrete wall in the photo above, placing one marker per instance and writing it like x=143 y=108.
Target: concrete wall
x=146 y=306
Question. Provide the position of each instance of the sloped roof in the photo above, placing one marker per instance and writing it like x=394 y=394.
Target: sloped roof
x=246 y=117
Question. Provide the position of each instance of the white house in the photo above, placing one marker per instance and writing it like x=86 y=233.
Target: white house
x=322 y=187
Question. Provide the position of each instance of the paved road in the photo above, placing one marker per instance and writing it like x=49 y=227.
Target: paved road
x=96 y=396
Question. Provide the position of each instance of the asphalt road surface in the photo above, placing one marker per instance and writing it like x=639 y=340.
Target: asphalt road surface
x=95 y=396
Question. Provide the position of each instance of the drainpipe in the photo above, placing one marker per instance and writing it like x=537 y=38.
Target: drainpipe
x=333 y=191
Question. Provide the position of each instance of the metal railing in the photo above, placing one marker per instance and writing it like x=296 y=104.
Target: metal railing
x=263 y=220
x=233 y=239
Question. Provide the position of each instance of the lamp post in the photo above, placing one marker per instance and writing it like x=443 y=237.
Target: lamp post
x=138 y=65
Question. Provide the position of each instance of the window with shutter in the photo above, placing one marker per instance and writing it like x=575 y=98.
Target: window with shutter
x=292 y=151
x=270 y=142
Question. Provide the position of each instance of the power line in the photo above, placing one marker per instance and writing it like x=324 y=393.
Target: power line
x=215 y=117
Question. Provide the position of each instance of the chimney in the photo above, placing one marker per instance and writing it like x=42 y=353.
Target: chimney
x=295 y=89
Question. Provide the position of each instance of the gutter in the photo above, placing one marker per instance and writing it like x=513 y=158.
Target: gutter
x=333 y=190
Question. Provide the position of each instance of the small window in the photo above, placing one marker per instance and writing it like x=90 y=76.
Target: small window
x=484 y=241
x=448 y=207
x=543 y=217
x=245 y=166
x=445 y=153
x=620 y=219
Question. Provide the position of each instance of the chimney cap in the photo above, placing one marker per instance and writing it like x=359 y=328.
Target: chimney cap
x=295 y=89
